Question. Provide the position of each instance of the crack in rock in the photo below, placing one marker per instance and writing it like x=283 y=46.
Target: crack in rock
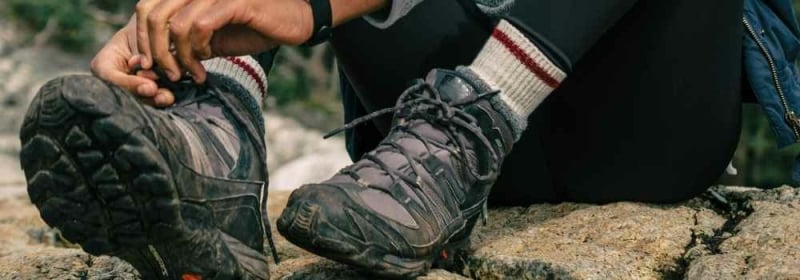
x=702 y=244
x=691 y=251
x=759 y=239
x=734 y=209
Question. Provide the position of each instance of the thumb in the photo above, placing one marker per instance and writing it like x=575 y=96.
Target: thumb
x=117 y=74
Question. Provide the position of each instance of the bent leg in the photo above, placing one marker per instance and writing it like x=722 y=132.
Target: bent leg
x=444 y=34
x=566 y=29
x=650 y=113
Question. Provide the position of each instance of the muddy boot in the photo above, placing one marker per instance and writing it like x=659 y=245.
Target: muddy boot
x=418 y=194
x=177 y=192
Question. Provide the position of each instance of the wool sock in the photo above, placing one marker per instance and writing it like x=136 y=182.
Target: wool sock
x=510 y=63
x=244 y=71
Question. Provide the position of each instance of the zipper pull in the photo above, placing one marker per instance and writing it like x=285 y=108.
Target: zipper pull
x=792 y=120
x=794 y=123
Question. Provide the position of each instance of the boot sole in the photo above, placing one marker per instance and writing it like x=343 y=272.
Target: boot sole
x=296 y=225
x=95 y=172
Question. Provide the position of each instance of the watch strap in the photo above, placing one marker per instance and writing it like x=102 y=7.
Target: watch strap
x=323 y=22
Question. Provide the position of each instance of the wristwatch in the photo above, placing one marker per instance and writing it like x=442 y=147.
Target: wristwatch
x=323 y=21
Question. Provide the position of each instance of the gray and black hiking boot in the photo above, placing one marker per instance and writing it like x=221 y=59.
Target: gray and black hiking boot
x=417 y=196
x=179 y=193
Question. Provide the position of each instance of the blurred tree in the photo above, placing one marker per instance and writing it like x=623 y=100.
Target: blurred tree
x=304 y=83
x=301 y=71
x=71 y=24
x=758 y=159
x=124 y=7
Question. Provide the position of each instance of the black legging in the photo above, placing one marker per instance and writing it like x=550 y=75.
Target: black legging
x=650 y=111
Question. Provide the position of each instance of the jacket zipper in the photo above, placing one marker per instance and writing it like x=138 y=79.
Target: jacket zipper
x=789 y=116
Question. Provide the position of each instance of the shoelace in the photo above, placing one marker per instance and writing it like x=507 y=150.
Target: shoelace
x=420 y=100
x=186 y=91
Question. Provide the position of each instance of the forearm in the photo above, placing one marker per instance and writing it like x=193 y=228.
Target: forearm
x=346 y=10
x=291 y=22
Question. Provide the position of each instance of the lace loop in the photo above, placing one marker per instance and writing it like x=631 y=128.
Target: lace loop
x=424 y=101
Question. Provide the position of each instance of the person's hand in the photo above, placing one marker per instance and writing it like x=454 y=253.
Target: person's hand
x=178 y=34
x=118 y=59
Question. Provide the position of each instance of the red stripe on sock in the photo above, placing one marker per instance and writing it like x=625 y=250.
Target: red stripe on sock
x=526 y=60
x=251 y=72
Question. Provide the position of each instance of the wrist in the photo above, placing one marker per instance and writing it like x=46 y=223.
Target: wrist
x=306 y=21
x=346 y=10
x=322 y=22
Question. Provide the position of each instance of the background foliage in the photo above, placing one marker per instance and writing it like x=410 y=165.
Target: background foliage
x=69 y=23
x=82 y=25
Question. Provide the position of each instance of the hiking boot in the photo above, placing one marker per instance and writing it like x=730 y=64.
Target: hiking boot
x=417 y=196
x=179 y=193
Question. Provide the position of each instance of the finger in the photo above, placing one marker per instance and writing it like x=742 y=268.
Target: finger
x=134 y=62
x=203 y=29
x=143 y=8
x=181 y=37
x=165 y=98
x=147 y=90
x=131 y=83
x=134 y=66
x=149 y=74
x=113 y=69
x=159 y=32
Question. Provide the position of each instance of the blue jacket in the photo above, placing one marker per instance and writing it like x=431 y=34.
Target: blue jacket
x=771 y=47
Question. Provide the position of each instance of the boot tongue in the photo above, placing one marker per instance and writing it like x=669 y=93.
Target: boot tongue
x=451 y=86
x=454 y=86
x=209 y=133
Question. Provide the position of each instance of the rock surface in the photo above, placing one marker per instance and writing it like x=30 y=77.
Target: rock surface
x=10 y=172
x=744 y=233
x=621 y=240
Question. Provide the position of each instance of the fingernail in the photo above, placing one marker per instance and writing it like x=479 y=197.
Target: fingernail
x=160 y=100
x=146 y=62
x=146 y=89
x=173 y=76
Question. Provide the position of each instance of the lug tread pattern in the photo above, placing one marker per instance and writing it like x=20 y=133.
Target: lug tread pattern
x=94 y=175
x=95 y=172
